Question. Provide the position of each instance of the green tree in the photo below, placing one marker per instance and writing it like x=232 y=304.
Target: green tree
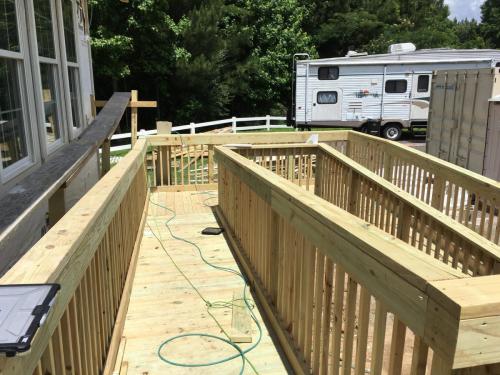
x=207 y=59
x=347 y=31
x=268 y=34
x=469 y=34
x=490 y=27
x=199 y=79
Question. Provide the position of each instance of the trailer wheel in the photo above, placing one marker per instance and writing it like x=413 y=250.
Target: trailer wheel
x=392 y=132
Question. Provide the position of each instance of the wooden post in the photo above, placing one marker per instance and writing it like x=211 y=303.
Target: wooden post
x=387 y=166
x=163 y=165
x=57 y=206
x=353 y=192
x=106 y=157
x=210 y=163
x=404 y=222
x=233 y=124
x=291 y=168
x=134 y=97
x=438 y=186
x=93 y=106
x=163 y=127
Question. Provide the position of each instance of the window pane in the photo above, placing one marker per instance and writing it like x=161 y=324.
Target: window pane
x=13 y=144
x=396 y=86
x=423 y=84
x=327 y=97
x=49 y=84
x=69 y=30
x=8 y=26
x=328 y=72
x=44 y=31
x=74 y=91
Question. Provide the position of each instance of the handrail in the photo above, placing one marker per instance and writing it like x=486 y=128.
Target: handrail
x=186 y=161
x=354 y=188
x=88 y=253
x=469 y=198
x=32 y=191
x=283 y=253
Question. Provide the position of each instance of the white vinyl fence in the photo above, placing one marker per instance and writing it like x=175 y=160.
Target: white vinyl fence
x=237 y=124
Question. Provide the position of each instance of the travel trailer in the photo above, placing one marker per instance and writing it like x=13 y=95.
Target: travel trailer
x=383 y=93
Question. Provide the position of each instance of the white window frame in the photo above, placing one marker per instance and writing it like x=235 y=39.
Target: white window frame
x=46 y=147
x=38 y=147
x=27 y=102
x=73 y=130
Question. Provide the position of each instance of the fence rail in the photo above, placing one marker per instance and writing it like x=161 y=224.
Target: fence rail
x=234 y=122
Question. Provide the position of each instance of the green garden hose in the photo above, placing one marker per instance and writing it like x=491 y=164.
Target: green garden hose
x=210 y=305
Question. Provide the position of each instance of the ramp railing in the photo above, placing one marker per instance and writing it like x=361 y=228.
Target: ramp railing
x=467 y=197
x=345 y=183
x=181 y=162
x=91 y=254
x=368 y=196
x=343 y=296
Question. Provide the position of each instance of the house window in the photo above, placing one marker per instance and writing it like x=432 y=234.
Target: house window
x=9 y=38
x=49 y=68
x=396 y=86
x=13 y=108
x=13 y=143
x=328 y=72
x=48 y=74
x=74 y=92
x=327 y=97
x=423 y=83
x=72 y=63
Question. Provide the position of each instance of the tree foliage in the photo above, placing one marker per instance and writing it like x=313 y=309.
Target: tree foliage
x=207 y=59
x=491 y=22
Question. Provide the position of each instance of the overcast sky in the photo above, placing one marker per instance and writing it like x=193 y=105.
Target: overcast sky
x=465 y=8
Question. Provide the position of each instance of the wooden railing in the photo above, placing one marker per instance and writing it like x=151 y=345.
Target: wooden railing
x=49 y=182
x=343 y=296
x=368 y=196
x=91 y=253
x=467 y=197
x=345 y=183
x=186 y=161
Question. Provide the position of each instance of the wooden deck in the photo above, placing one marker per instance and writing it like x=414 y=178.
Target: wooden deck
x=163 y=304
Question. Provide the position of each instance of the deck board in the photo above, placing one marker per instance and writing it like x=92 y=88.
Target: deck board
x=163 y=304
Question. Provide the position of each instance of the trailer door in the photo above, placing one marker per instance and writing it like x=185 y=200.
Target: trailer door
x=420 y=97
x=326 y=105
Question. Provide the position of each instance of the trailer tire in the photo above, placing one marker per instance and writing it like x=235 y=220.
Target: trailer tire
x=392 y=131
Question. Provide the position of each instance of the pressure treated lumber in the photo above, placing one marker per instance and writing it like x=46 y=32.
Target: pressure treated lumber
x=73 y=254
x=162 y=303
x=396 y=278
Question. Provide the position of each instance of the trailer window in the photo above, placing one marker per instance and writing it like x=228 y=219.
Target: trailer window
x=327 y=97
x=328 y=72
x=423 y=83
x=396 y=86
